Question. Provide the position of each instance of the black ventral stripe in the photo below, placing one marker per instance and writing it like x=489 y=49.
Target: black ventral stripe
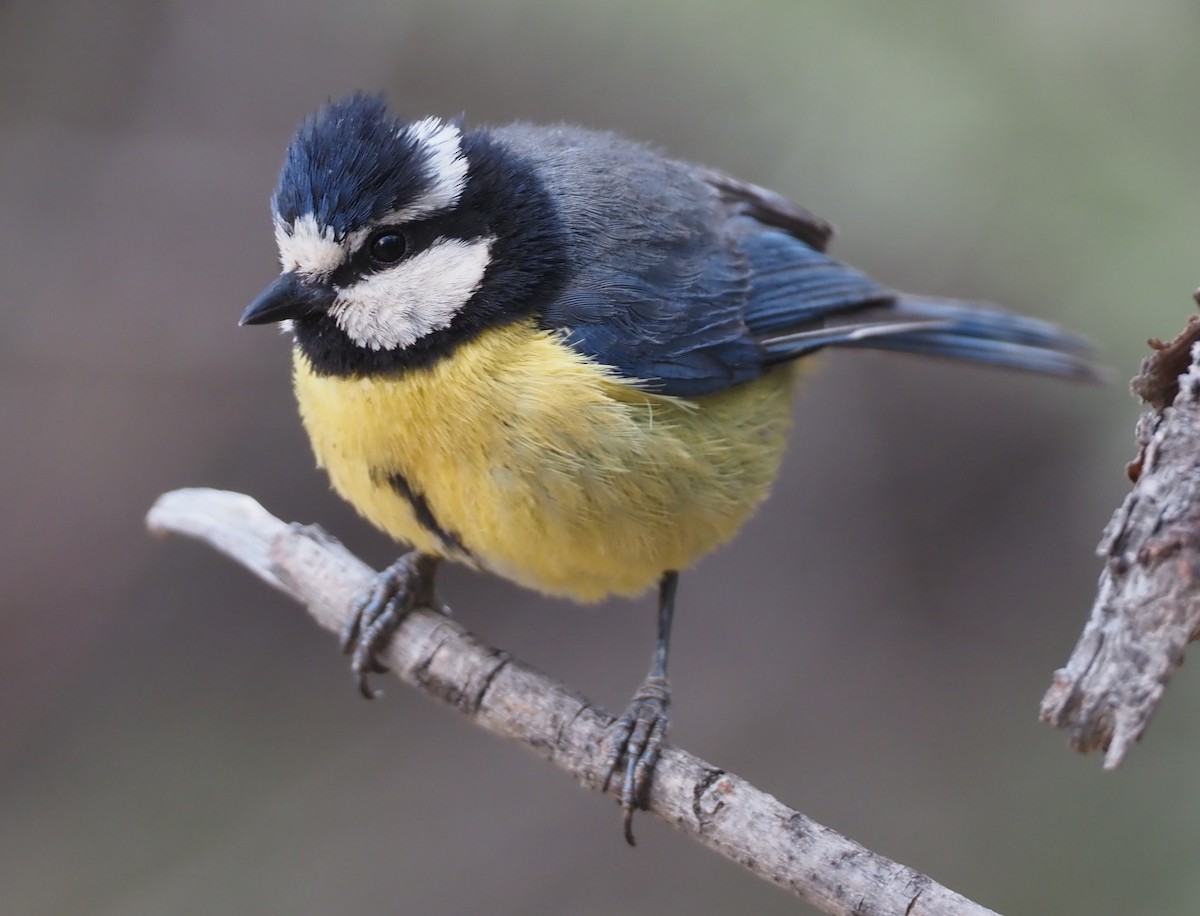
x=420 y=507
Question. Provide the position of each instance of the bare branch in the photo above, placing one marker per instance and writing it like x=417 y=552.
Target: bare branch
x=434 y=654
x=1147 y=608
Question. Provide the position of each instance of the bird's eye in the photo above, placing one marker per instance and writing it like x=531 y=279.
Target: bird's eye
x=386 y=247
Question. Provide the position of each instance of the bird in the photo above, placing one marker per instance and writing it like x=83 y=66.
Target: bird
x=565 y=358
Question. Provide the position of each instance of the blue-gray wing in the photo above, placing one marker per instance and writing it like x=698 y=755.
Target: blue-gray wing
x=713 y=296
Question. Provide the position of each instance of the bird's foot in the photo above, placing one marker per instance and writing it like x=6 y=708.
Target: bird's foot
x=381 y=608
x=637 y=738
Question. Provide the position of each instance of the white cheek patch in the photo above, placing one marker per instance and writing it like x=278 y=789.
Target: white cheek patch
x=305 y=248
x=395 y=308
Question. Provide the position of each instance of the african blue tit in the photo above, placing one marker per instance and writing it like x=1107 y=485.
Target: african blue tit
x=565 y=358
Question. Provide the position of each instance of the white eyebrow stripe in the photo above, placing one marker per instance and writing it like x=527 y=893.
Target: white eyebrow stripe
x=355 y=239
x=446 y=168
x=394 y=308
x=310 y=250
x=307 y=249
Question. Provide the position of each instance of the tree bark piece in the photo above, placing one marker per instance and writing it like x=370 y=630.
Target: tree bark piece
x=504 y=696
x=1147 y=607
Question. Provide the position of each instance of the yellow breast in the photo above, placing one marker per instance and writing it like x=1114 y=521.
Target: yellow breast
x=517 y=455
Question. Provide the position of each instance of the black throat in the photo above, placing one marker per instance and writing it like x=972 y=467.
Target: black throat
x=504 y=199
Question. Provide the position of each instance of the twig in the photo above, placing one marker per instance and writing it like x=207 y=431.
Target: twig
x=433 y=653
x=1147 y=608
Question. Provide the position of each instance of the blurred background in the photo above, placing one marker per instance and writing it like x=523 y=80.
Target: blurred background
x=175 y=738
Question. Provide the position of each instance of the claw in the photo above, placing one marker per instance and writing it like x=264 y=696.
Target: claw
x=349 y=635
x=637 y=740
x=639 y=734
x=378 y=612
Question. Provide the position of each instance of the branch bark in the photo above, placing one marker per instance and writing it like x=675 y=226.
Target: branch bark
x=1147 y=607
x=504 y=696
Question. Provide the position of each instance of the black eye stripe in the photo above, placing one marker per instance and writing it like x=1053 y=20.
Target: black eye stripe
x=453 y=224
x=419 y=236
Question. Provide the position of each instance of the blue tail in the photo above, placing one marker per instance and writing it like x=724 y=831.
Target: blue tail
x=945 y=327
x=801 y=300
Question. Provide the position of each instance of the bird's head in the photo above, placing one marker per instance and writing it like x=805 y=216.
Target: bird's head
x=399 y=239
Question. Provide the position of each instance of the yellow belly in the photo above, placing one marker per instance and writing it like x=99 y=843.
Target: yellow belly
x=517 y=455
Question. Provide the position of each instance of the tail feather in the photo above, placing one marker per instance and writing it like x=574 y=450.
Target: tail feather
x=958 y=330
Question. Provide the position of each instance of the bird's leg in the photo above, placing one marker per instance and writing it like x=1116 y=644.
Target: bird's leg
x=379 y=610
x=639 y=734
